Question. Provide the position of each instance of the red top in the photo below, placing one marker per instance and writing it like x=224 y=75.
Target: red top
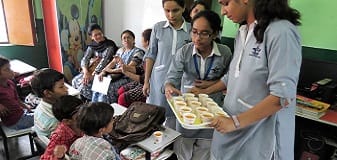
x=63 y=135
x=10 y=99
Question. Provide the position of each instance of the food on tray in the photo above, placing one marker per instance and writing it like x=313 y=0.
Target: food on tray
x=195 y=112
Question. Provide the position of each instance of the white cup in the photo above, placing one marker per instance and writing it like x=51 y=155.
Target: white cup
x=206 y=117
x=185 y=95
x=179 y=104
x=212 y=106
x=221 y=114
x=194 y=104
x=178 y=98
x=184 y=110
x=158 y=136
x=204 y=101
x=189 y=118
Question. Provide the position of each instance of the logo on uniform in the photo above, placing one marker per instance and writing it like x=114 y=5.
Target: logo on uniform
x=255 y=52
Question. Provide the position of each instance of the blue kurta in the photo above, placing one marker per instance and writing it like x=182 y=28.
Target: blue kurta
x=256 y=71
x=183 y=67
x=161 y=51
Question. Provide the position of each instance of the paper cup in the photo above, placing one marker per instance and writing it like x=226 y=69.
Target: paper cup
x=185 y=95
x=189 y=118
x=158 y=136
x=204 y=101
x=178 y=98
x=184 y=110
x=200 y=110
x=194 y=104
x=206 y=117
x=202 y=96
x=221 y=114
x=212 y=106
x=179 y=104
x=188 y=99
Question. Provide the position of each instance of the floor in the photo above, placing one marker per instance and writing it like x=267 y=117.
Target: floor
x=18 y=147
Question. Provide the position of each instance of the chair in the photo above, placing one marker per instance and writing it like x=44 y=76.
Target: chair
x=8 y=133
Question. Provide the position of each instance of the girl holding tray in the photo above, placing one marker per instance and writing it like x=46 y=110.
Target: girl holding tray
x=200 y=63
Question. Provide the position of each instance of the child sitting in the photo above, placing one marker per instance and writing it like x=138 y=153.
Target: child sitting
x=65 y=111
x=95 y=120
x=47 y=84
x=12 y=111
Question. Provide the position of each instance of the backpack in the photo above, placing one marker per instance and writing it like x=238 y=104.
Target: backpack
x=138 y=122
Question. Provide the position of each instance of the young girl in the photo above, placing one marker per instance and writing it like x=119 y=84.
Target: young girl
x=187 y=65
x=261 y=82
x=166 y=38
x=12 y=111
x=95 y=120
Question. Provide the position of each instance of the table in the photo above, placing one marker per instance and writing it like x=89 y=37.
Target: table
x=21 y=67
x=149 y=144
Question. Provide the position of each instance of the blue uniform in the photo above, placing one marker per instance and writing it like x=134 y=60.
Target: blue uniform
x=256 y=71
x=164 y=42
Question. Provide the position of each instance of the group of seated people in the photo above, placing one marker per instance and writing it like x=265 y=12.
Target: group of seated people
x=72 y=126
x=124 y=66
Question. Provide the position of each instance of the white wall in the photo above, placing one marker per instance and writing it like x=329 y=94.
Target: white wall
x=135 y=15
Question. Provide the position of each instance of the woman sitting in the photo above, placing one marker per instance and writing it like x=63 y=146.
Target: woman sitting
x=133 y=91
x=98 y=54
x=128 y=54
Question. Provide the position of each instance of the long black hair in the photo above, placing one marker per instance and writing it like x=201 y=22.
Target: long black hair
x=268 y=10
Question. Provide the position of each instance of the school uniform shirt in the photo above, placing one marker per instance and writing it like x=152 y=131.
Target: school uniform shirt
x=90 y=147
x=44 y=119
x=256 y=71
x=10 y=99
x=63 y=135
x=186 y=65
x=164 y=42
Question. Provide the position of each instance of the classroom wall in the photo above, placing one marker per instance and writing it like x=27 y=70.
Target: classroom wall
x=317 y=30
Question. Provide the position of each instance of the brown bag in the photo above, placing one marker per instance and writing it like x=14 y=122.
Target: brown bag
x=138 y=122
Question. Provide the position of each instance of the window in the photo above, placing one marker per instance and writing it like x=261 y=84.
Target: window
x=3 y=26
x=19 y=19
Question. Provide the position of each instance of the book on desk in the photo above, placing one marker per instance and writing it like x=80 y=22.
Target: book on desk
x=310 y=107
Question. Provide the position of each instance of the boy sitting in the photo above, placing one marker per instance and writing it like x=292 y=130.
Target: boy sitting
x=47 y=84
x=65 y=110
x=95 y=120
x=12 y=111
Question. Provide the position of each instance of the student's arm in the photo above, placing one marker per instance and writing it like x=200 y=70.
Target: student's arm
x=268 y=106
x=148 y=70
x=216 y=87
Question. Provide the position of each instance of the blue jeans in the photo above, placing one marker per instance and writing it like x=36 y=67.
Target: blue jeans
x=98 y=97
x=26 y=121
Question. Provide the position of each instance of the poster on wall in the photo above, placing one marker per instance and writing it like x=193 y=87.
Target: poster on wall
x=74 y=17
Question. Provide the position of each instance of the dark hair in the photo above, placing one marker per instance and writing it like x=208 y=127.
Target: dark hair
x=268 y=10
x=212 y=18
x=199 y=2
x=3 y=61
x=128 y=32
x=93 y=27
x=181 y=3
x=94 y=116
x=45 y=79
x=66 y=106
x=147 y=34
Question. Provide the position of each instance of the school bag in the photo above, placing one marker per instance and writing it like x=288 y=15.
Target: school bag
x=138 y=122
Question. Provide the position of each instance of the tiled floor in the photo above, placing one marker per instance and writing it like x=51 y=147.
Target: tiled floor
x=18 y=147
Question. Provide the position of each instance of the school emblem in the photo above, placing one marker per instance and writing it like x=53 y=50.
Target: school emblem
x=255 y=52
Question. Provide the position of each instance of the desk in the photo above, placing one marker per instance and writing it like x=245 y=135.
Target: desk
x=149 y=144
x=21 y=67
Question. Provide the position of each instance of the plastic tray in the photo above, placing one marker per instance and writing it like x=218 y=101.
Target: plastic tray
x=197 y=124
